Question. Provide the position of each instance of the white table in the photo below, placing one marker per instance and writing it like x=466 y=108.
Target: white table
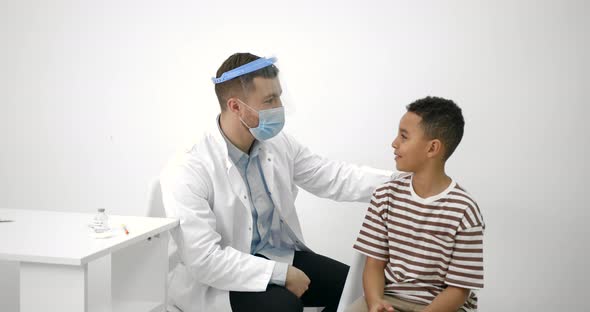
x=64 y=269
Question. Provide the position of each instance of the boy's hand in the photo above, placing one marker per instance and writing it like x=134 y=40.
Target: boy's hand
x=381 y=306
x=297 y=282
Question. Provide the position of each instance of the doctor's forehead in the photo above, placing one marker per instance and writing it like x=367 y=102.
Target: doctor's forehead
x=267 y=86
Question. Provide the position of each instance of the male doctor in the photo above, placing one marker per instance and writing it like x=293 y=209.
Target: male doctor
x=239 y=241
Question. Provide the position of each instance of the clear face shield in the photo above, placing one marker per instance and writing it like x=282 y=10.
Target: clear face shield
x=263 y=97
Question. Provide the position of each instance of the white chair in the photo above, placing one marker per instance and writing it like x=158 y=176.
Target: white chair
x=156 y=209
x=353 y=288
x=155 y=204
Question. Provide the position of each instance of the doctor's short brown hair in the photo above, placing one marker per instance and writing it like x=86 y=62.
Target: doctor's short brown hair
x=239 y=85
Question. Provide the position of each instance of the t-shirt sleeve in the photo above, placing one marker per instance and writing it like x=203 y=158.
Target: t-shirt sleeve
x=466 y=266
x=372 y=238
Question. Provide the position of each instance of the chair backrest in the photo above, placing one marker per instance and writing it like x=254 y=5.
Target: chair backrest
x=155 y=203
x=156 y=210
x=353 y=288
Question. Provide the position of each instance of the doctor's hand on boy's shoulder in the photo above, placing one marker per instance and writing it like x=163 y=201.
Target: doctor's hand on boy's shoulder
x=297 y=282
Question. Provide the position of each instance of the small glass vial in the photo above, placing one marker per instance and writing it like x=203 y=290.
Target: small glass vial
x=100 y=223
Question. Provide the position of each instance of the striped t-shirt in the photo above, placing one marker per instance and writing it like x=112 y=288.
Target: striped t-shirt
x=428 y=243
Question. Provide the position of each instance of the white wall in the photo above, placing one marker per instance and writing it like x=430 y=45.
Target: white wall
x=95 y=95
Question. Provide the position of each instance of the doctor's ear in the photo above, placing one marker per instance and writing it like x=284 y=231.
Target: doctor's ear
x=233 y=105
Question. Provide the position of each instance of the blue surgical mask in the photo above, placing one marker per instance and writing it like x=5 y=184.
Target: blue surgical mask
x=270 y=122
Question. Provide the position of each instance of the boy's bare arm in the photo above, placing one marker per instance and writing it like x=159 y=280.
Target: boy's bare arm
x=449 y=300
x=374 y=284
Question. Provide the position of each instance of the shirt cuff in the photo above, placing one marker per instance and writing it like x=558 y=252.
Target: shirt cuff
x=279 y=274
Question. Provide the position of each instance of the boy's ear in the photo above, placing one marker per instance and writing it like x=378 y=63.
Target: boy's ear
x=435 y=148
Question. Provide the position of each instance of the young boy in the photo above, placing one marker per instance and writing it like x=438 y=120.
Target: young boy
x=423 y=233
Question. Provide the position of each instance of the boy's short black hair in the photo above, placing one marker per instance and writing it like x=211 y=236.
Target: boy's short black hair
x=236 y=86
x=441 y=119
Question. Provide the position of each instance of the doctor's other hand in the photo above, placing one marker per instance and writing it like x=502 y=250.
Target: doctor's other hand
x=381 y=306
x=297 y=282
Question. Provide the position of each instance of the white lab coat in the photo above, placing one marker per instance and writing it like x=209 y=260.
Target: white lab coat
x=203 y=188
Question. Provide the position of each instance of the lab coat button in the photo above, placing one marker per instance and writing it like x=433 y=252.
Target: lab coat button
x=245 y=197
x=268 y=159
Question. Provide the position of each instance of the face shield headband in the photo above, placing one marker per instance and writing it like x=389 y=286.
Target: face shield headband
x=245 y=69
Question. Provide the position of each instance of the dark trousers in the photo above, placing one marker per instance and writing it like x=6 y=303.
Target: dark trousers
x=327 y=281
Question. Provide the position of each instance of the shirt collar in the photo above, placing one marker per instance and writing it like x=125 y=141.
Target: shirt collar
x=235 y=154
